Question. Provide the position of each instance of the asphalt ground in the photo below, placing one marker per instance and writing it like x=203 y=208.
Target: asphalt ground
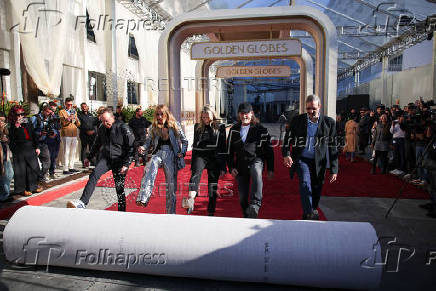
x=407 y=237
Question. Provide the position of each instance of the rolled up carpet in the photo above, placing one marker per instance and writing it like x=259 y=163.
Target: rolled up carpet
x=308 y=253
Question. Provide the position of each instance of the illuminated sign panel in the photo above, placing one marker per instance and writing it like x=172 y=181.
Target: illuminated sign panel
x=253 y=71
x=246 y=49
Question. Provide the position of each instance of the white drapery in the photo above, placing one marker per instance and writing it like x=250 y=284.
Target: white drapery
x=43 y=27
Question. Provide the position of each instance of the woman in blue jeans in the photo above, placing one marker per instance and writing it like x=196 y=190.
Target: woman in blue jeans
x=166 y=146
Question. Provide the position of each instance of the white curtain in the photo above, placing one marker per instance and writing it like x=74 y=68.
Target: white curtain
x=43 y=27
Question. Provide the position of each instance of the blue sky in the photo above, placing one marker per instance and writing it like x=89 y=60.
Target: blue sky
x=217 y=4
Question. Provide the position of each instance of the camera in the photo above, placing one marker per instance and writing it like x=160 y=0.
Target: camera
x=50 y=126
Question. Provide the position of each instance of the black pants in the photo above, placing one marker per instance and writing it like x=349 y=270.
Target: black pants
x=199 y=163
x=250 y=187
x=363 y=142
x=54 y=144
x=399 y=153
x=26 y=169
x=410 y=155
x=86 y=143
x=383 y=156
x=44 y=158
x=103 y=166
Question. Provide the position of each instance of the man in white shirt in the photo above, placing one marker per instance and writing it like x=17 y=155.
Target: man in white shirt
x=398 y=131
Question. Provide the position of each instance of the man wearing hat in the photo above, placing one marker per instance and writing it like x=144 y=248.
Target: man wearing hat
x=249 y=147
x=139 y=125
x=313 y=140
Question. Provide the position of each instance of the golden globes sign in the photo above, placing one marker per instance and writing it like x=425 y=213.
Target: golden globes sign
x=246 y=49
x=253 y=71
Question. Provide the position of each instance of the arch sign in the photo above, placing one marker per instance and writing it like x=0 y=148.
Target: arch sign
x=253 y=71
x=246 y=49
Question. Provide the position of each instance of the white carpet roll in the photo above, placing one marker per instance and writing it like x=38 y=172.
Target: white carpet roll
x=320 y=254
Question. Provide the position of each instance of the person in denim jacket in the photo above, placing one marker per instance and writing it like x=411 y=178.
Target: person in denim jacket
x=166 y=146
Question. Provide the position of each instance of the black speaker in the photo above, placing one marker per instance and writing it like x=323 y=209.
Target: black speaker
x=4 y=72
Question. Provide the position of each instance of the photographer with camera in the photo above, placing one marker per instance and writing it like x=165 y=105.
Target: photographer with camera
x=70 y=123
x=42 y=129
x=429 y=163
x=53 y=140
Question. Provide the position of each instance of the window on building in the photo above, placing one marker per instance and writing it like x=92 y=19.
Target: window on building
x=97 y=86
x=133 y=52
x=396 y=63
x=89 y=31
x=132 y=92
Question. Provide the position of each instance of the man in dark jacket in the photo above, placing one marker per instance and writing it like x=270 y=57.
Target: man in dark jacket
x=313 y=140
x=139 y=125
x=429 y=163
x=364 y=130
x=88 y=130
x=249 y=146
x=114 y=143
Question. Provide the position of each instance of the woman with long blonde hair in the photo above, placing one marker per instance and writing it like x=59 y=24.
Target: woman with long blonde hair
x=167 y=145
x=208 y=152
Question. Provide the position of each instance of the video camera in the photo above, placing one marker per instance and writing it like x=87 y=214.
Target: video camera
x=51 y=125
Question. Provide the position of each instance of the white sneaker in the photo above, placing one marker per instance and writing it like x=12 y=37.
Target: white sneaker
x=76 y=204
x=396 y=172
x=191 y=203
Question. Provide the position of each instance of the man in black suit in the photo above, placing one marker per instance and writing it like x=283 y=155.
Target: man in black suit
x=249 y=146
x=313 y=140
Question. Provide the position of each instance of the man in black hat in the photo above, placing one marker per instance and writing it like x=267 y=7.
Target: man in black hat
x=249 y=147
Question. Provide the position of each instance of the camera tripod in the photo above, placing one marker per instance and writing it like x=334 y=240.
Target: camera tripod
x=419 y=162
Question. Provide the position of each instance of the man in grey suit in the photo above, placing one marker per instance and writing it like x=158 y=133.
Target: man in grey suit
x=309 y=143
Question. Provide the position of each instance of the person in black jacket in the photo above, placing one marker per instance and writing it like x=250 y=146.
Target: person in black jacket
x=313 y=140
x=23 y=143
x=364 y=130
x=249 y=145
x=114 y=143
x=208 y=152
x=139 y=125
x=88 y=130
x=429 y=163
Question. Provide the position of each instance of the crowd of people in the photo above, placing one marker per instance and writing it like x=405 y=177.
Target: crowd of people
x=396 y=140
x=31 y=146
x=245 y=152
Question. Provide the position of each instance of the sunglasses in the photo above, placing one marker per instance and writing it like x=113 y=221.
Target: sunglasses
x=20 y=114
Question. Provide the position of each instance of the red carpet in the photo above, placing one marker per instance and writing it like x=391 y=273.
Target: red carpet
x=280 y=196
x=355 y=180
x=279 y=202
